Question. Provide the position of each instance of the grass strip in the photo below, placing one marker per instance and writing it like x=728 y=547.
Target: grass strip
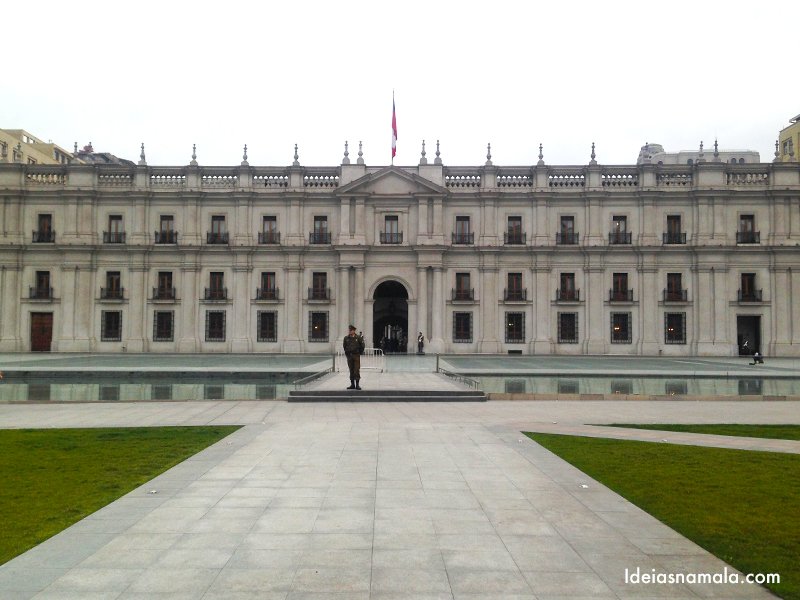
x=773 y=432
x=53 y=478
x=741 y=506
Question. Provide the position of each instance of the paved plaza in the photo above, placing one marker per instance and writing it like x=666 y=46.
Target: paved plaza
x=384 y=501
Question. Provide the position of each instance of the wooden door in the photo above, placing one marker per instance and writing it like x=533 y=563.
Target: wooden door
x=41 y=331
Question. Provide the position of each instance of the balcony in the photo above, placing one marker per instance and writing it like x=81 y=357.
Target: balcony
x=113 y=237
x=567 y=238
x=215 y=294
x=44 y=237
x=164 y=293
x=748 y=237
x=391 y=237
x=673 y=237
x=217 y=237
x=165 y=237
x=514 y=238
x=620 y=295
x=319 y=237
x=749 y=296
x=675 y=295
x=270 y=293
x=515 y=295
x=269 y=237
x=568 y=295
x=463 y=295
x=619 y=238
x=40 y=293
x=112 y=293
x=319 y=293
x=463 y=239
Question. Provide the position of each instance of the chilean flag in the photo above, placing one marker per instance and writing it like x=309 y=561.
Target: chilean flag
x=394 y=130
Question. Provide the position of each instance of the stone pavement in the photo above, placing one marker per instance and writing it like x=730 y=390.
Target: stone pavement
x=386 y=501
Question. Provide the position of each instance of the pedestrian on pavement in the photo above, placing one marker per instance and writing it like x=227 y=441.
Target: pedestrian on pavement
x=353 y=349
x=420 y=343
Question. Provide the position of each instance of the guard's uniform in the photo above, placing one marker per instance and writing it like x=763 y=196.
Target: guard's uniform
x=353 y=347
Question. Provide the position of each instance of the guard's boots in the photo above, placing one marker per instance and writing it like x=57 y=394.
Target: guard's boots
x=358 y=387
x=352 y=384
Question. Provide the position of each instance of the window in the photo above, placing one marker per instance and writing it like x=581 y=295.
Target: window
x=619 y=288
x=515 y=327
x=566 y=234
x=44 y=232
x=462 y=328
x=163 y=325
x=675 y=328
x=215 y=325
x=567 y=328
x=218 y=233
x=619 y=230
x=115 y=234
x=269 y=230
x=621 y=328
x=42 y=288
x=111 y=326
x=164 y=291
x=320 y=234
x=318 y=326
x=267 y=323
x=113 y=289
x=319 y=286
x=514 y=233
x=391 y=233
x=747 y=233
x=166 y=233
x=514 y=290
x=748 y=291
x=462 y=290
x=216 y=289
x=674 y=291
x=566 y=290
x=268 y=290
x=463 y=234
x=674 y=235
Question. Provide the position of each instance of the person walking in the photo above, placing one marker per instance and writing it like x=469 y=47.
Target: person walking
x=420 y=343
x=353 y=349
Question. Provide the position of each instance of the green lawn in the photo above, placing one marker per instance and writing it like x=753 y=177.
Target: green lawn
x=55 y=477
x=776 y=432
x=742 y=506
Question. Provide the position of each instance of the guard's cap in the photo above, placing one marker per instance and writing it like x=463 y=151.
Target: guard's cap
x=352 y=328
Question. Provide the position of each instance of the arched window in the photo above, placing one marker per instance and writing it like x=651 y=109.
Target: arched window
x=690 y=162
x=733 y=161
x=741 y=161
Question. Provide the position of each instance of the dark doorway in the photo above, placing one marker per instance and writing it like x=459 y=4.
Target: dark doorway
x=41 y=332
x=748 y=334
x=390 y=317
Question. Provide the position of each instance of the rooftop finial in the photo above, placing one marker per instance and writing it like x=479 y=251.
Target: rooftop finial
x=701 y=146
x=346 y=159
x=75 y=151
x=244 y=157
x=296 y=162
x=777 y=153
x=194 y=155
x=716 y=149
x=489 y=153
x=594 y=156
x=422 y=159
x=142 y=159
x=438 y=159
x=541 y=155
x=360 y=160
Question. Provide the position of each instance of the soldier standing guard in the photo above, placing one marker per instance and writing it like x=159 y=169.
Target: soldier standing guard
x=353 y=348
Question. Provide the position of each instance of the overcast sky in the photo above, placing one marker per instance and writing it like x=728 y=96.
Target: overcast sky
x=272 y=74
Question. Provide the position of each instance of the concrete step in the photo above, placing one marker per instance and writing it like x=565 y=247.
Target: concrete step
x=387 y=396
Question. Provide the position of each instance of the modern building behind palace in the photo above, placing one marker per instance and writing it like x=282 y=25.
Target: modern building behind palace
x=680 y=254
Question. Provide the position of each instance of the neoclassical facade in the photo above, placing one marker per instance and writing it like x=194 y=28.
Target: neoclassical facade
x=649 y=259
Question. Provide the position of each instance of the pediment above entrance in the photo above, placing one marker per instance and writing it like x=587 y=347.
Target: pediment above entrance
x=391 y=181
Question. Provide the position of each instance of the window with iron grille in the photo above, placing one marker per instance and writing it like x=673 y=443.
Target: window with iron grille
x=462 y=328
x=621 y=328
x=215 y=325
x=163 y=325
x=318 y=326
x=567 y=328
x=675 y=328
x=111 y=325
x=515 y=327
x=267 y=326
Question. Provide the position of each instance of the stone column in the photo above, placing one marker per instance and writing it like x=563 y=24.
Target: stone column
x=241 y=313
x=343 y=302
x=358 y=300
x=135 y=341
x=704 y=303
x=344 y=221
x=10 y=317
x=596 y=327
x=189 y=309
x=438 y=236
x=422 y=305
x=438 y=313
x=422 y=220
x=541 y=328
x=294 y=310
x=723 y=344
x=649 y=318
x=489 y=311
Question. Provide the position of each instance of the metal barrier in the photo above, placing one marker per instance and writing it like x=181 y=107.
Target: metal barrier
x=372 y=360
x=462 y=379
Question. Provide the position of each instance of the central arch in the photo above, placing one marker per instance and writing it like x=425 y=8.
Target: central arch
x=390 y=317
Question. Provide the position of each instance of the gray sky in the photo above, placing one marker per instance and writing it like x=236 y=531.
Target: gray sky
x=272 y=74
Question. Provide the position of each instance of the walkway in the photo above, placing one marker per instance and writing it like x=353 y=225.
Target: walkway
x=395 y=500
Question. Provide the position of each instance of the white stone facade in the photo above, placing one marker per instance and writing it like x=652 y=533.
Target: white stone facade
x=598 y=286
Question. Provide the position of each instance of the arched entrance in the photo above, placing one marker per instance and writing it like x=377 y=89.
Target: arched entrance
x=390 y=317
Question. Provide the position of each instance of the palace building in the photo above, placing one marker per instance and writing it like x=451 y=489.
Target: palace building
x=647 y=259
